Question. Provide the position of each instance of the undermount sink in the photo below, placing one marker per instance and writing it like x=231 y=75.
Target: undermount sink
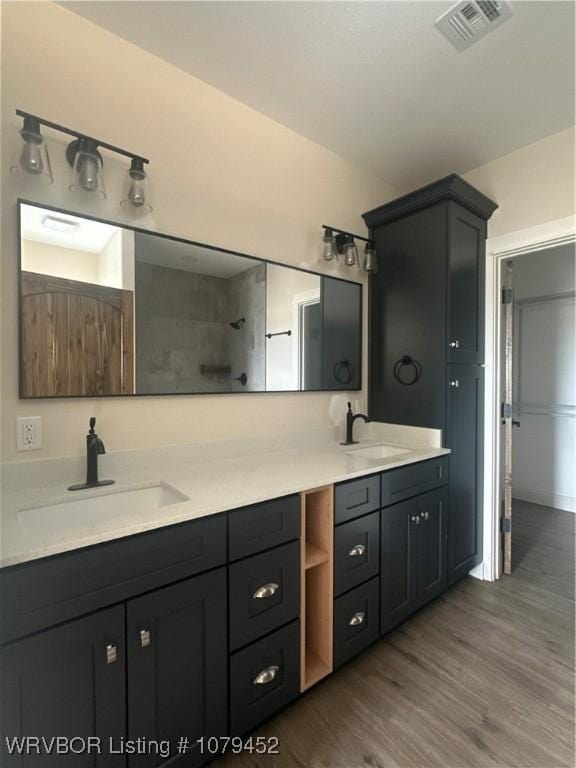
x=376 y=452
x=98 y=508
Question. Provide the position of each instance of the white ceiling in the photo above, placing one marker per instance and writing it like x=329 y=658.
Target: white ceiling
x=188 y=257
x=89 y=236
x=373 y=81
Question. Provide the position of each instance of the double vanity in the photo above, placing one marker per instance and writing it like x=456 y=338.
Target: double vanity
x=199 y=604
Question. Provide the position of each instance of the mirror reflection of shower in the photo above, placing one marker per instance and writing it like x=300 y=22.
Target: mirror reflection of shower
x=237 y=324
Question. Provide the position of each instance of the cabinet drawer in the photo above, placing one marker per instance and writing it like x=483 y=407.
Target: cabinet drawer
x=356 y=552
x=264 y=678
x=358 y=497
x=50 y=591
x=262 y=526
x=399 y=484
x=264 y=593
x=356 y=621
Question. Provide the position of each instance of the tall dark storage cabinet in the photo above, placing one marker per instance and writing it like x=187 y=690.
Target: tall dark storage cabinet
x=427 y=337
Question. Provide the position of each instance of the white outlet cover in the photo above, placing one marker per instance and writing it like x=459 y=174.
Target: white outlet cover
x=28 y=433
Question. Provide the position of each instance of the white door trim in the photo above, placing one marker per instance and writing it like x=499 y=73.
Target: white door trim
x=548 y=235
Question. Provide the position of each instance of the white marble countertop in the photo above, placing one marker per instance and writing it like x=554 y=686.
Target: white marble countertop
x=211 y=487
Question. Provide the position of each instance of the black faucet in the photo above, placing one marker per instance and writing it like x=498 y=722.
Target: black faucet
x=94 y=448
x=350 y=419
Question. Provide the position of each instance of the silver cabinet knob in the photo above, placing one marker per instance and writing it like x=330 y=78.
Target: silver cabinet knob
x=454 y=383
x=357 y=551
x=111 y=654
x=425 y=515
x=455 y=344
x=266 y=676
x=415 y=519
x=357 y=619
x=266 y=590
x=144 y=638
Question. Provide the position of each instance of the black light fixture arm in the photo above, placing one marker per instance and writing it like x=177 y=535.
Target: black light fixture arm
x=77 y=135
x=346 y=234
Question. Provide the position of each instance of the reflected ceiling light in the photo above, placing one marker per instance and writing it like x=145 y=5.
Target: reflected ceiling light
x=32 y=153
x=60 y=225
x=137 y=187
x=83 y=154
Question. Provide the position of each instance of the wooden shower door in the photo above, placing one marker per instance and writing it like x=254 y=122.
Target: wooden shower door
x=77 y=339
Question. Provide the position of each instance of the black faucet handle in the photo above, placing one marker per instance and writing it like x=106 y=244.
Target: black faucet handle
x=100 y=447
x=92 y=424
x=349 y=407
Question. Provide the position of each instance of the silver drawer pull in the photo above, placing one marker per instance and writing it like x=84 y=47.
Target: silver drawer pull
x=144 y=638
x=357 y=619
x=425 y=515
x=266 y=676
x=111 y=654
x=357 y=551
x=267 y=590
x=415 y=519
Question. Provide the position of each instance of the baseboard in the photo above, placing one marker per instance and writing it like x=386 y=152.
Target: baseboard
x=567 y=503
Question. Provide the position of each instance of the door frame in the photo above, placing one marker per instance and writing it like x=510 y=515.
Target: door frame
x=543 y=236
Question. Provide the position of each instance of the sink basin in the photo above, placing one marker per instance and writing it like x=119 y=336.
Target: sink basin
x=98 y=508
x=376 y=452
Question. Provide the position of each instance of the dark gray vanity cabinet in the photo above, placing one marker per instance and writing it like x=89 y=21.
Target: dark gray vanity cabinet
x=68 y=681
x=177 y=665
x=464 y=434
x=413 y=555
x=427 y=331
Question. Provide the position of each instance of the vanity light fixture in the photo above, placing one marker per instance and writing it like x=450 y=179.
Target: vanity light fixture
x=345 y=243
x=329 y=250
x=370 y=260
x=32 y=153
x=83 y=155
x=137 y=187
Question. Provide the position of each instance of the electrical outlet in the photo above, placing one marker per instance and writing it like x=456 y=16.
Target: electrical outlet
x=28 y=433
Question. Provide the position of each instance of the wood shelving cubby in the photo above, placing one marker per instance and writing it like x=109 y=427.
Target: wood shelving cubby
x=316 y=585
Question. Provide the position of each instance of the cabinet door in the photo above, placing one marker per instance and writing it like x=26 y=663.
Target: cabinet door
x=341 y=334
x=466 y=267
x=430 y=560
x=464 y=436
x=177 y=665
x=408 y=319
x=68 y=681
x=397 y=586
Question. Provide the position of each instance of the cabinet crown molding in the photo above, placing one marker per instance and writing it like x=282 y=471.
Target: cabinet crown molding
x=452 y=187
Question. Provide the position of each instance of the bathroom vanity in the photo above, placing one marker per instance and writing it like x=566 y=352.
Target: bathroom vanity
x=208 y=626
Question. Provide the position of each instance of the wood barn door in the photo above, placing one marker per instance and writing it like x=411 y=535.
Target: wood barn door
x=77 y=339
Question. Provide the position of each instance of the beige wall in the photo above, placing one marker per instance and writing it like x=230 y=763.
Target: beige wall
x=221 y=173
x=533 y=185
x=60 y=262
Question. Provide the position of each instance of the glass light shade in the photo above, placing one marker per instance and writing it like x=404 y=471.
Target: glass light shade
x=137 y=189
x=87 y=173
x=31 y=154
x=329 y=252
x=370 y=263
x=350 y=252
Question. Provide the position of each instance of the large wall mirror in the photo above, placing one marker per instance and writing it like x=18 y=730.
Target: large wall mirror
x=109 y=310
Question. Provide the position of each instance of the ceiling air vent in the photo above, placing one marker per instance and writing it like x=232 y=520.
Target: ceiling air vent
x=470 y=20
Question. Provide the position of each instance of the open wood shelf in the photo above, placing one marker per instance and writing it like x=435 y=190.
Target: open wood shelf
x=315 y=556
x=317 y=590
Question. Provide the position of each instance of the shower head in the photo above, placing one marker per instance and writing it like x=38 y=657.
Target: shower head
x=237 y=324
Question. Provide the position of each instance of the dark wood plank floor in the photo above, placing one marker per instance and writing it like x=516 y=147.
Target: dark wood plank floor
x=482 y=677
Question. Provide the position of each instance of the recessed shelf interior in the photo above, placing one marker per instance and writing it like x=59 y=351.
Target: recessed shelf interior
x=316 y=585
